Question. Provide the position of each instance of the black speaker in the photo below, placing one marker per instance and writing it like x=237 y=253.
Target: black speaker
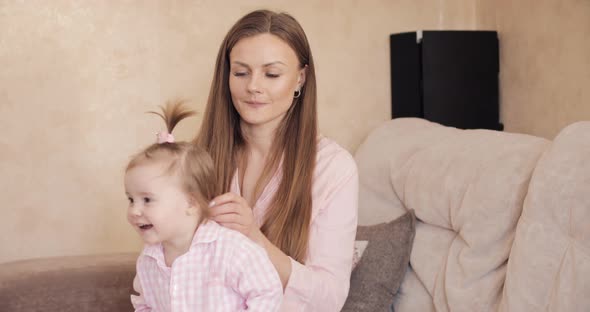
x=406 y=75
x=449 y=77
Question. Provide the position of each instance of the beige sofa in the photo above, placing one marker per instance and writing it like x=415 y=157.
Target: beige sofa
x=68 y=284
x=504 y=225
x=503 y=219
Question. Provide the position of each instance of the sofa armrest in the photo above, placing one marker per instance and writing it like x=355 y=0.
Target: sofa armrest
x=81 y=283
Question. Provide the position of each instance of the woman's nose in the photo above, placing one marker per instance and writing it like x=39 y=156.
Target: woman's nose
x=254 y=84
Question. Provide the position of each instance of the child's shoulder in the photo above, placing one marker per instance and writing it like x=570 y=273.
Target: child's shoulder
x=235 y=239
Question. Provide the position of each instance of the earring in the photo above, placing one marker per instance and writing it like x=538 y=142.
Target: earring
x=297 y=94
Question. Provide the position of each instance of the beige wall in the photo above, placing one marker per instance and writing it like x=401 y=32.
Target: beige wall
x=545 y=63
x=76 y=77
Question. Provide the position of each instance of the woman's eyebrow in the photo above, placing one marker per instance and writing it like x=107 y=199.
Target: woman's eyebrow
x=240 y=63
x=265 y=65
x=274 y=63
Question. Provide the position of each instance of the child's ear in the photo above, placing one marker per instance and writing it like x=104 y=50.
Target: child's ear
x=191 y=211
x=193 y=208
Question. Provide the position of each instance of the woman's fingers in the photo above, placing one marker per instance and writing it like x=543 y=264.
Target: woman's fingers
x=228 y=218
x=234 y=226
x=224 y=209
x=232 y=211
x=227 y=198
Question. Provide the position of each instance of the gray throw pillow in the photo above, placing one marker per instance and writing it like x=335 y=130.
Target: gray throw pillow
x=378 y=275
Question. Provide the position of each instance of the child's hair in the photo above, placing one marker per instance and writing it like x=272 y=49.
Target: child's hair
x=192 y=164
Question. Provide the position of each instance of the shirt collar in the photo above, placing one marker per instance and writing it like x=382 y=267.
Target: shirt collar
x=207 y=232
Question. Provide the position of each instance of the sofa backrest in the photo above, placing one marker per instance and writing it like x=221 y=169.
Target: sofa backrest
x=549 y=265
x=77 y=283
x=467 y=188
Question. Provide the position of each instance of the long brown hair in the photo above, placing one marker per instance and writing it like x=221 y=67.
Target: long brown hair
x=287 y=221
x=192 y=163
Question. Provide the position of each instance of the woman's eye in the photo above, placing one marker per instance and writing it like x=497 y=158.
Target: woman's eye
x=269 y=75
x=239 y=74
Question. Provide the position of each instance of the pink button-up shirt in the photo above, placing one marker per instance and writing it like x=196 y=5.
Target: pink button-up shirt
x=222 y=271
x=322 y=283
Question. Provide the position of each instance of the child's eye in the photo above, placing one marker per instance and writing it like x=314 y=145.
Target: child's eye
x=130 y=200
x=147 y=200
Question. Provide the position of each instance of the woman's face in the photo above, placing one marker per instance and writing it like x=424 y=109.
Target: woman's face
x=264 y=74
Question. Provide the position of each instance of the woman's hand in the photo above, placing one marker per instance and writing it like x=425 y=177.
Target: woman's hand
x=232 y=211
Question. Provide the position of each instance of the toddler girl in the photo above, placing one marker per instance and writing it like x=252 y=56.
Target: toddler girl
x=190 y=263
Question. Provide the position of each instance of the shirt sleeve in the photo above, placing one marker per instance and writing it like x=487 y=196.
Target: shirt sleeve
x=253 y=276
x=322 y=284
x=137 y=300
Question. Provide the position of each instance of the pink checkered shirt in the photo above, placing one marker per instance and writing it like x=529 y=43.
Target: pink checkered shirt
x=222 y=271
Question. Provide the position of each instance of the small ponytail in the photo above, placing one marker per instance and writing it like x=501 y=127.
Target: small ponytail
x=192 y=163
x=173 y=113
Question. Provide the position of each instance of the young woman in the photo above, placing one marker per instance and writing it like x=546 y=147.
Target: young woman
x=290 y=190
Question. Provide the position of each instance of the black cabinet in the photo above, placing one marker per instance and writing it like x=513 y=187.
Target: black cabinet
x=449 y=77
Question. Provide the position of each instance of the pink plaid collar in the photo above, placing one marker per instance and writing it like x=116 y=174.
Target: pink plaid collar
x=206 y=233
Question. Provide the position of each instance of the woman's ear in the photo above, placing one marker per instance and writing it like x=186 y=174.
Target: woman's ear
x=301 y=78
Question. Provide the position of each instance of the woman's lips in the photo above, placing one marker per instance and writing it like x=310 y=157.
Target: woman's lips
x=255 y=103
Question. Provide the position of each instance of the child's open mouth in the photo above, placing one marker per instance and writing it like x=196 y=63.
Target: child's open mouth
x=146 y=226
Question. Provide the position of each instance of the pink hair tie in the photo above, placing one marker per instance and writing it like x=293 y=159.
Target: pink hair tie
x=165 y=137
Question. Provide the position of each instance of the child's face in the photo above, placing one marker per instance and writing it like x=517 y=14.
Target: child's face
x=158 y=209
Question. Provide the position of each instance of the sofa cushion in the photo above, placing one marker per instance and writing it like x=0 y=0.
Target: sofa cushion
x=378 y=202
x=83 y=283
x=549 y=265
x=467 y=188
x=383 y=264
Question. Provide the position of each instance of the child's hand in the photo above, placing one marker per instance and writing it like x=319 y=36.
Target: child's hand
x=233 y=212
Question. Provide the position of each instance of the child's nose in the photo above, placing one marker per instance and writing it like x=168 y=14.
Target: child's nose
x=135 y=210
